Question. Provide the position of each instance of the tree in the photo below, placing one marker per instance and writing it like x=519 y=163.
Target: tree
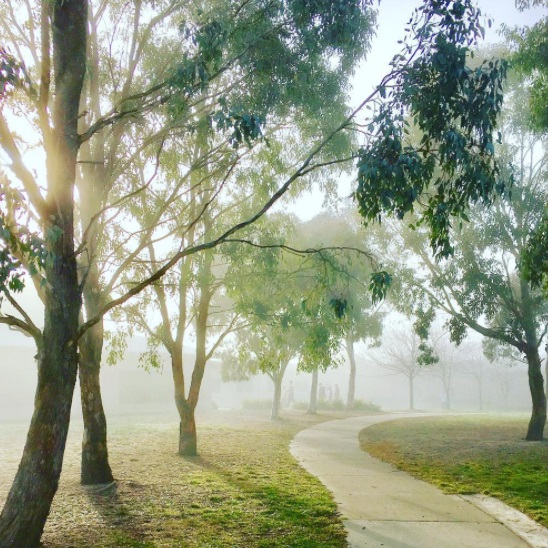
x=222 y=184
x=480 y=287
x=361 y=321
x=528 y=46
x=449 y=359
x=282 y=295
x=400 y=354
x=35 y=483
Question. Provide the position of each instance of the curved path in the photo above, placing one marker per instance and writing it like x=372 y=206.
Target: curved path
x=382 y=506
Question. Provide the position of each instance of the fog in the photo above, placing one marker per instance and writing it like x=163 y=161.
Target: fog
x=128 y=389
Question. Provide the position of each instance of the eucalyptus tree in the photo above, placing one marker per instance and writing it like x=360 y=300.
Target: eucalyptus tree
x=283 y=294
x=481 y=287
x=223 y=185
x=528 y=47
x=244 y=43
x=361 y=319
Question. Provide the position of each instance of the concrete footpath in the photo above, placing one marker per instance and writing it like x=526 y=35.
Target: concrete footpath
x=382 y=506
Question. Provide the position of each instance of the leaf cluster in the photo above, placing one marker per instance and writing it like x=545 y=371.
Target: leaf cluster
x=455 y=109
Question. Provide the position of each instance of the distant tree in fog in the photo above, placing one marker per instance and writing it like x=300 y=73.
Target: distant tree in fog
x=285 y=295
x=361 y=319
x=400 y=353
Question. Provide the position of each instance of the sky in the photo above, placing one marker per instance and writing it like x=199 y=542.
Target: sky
x=392 y=18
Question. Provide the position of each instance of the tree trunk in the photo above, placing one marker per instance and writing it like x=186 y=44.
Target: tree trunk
x=480 y=393
x=546 y=371
x=352 y=377
x=447 y=388
x=95 y=467
x=275 y=414
x=188 y=440
x=188 y=443
x=411 y=393
x=313 y=404
x=29 y=500
x=535 y=430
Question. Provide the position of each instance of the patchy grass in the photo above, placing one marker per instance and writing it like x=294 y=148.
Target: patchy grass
x=469 y=454
x=245 y=489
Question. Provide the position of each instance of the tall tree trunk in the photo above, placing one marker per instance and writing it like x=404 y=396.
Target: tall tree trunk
x=352 y=377
x=95 y=467
x=313 y=404
x=447 y=389
x=188 y=442
x=29 y=500
x=95 y=464
x=480 y=393
x=535 y=430
x=277 y=379
x=411 y=393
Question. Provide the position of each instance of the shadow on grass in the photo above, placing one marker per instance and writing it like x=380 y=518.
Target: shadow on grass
x=289 y=505
x=115 y=507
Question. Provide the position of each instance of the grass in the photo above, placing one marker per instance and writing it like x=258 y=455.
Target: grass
x=245 y=489
x=467 y=455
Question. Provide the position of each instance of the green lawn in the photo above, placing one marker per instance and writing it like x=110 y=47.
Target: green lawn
x=469 y=454
x=245 y=490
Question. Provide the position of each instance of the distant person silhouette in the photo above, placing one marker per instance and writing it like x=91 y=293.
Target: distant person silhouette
x=290 y=395
x=321 y=393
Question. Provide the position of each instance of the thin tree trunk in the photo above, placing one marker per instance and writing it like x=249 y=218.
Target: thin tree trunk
x=546 y=372
x=411 y=393
x=352 y=377
x=188 y=445
x=313 y=404
x=275 y=414
x=480 y=393
x=188 y=442
x=447 y=389
x=29 y=500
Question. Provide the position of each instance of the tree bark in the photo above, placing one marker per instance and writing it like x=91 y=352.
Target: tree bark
x=29 y=500
x=535 y=430
x=313 y=404
x=352 y=377
x=188 y=439
x=95 y=467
